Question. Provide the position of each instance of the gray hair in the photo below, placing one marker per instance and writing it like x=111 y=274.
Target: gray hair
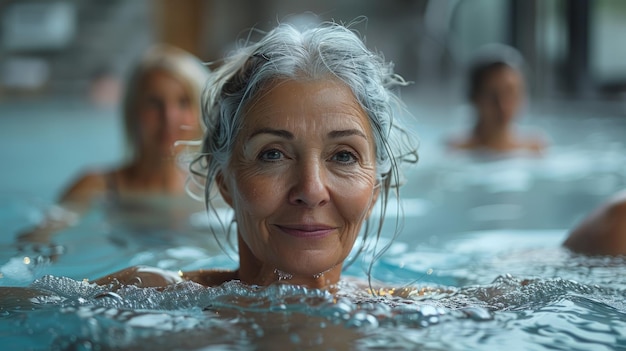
x=183 y=66
x=289 y=53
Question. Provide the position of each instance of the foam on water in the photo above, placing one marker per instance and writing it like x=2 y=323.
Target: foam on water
x=126 y=316
x=85 y=316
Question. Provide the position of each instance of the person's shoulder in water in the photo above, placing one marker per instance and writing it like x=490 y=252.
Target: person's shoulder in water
x=602 y=232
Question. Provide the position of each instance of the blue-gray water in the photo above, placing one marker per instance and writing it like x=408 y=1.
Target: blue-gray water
x=480 y=245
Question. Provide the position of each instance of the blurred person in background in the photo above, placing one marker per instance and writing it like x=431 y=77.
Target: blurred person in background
x=161 y=107
x=602 y=232
x=497 y=92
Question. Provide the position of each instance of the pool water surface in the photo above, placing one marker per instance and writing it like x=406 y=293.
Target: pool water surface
x=477 y=265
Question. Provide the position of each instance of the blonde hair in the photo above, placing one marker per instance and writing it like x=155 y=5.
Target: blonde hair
x=181 y=65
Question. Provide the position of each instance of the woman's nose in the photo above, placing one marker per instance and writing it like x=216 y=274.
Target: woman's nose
x=172 y=117
x=310 y=185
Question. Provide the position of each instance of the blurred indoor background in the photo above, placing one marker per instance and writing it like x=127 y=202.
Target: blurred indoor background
x=63 y=62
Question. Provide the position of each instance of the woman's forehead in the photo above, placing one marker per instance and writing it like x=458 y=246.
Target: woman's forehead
x=303 y=100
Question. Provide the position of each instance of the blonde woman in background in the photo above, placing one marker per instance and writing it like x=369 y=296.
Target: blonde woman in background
x=161 y=107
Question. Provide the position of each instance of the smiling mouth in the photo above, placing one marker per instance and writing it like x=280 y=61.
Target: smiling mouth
x=306 y=231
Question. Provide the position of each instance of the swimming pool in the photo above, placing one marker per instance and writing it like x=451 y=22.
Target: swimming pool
x=480 y=240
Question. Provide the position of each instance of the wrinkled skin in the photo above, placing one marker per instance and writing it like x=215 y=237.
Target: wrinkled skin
x=302 y=179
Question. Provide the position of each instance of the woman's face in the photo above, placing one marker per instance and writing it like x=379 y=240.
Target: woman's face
x=302 y=176
x=500 y=96
x=165 y=113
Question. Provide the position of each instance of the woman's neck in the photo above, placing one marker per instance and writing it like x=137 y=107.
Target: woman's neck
x=254 y=272
x=492 y=136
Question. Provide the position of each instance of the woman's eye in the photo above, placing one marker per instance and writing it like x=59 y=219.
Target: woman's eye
x=184 y=103
x=271 y=155
x=152 y=102
x=344 y=157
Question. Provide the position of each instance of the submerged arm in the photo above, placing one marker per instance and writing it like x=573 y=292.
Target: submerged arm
x=71 y=205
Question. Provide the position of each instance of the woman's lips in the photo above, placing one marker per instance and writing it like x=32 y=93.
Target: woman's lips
x=306 y=231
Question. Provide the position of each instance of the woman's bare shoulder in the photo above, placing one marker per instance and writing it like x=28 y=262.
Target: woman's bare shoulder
x=459 y=142
x=536 y=141
x=603 y=232
x=211 y=277
x=85 y=187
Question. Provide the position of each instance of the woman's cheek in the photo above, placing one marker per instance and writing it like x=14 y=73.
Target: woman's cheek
x=356 y=192
x=257 y=188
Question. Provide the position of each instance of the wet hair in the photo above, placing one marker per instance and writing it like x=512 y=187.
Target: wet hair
x=327 y=51
x=490 y=58
x=181 y=65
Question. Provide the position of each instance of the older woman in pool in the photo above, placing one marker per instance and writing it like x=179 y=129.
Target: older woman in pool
x=299 y=142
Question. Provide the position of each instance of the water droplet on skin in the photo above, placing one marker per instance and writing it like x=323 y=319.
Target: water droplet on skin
x=282 y=275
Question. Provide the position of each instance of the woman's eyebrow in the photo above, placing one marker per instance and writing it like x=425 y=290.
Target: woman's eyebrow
x=346 y=133
x=277 y=132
